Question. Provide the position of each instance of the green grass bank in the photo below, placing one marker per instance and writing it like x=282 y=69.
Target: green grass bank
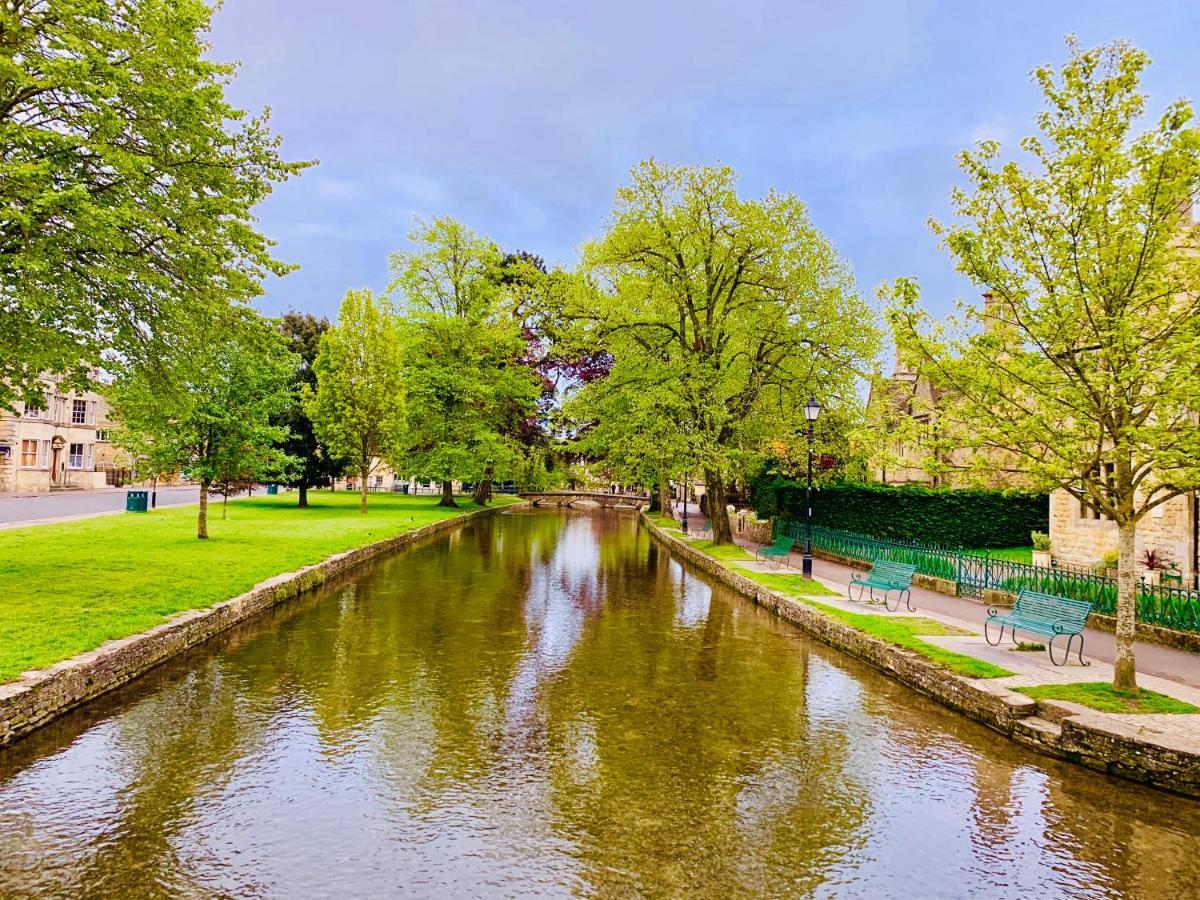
x=68 y=588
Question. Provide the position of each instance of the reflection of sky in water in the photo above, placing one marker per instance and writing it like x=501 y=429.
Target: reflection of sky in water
x=559 y=591
x=692 y=597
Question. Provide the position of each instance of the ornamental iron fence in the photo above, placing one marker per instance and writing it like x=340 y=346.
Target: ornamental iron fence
x=974 y=572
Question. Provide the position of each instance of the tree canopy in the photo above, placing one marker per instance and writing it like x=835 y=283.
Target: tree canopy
x=316 y=465
x=215 y=423
x=731 y=310
x=1082 y=365
x=127 y=184
x=468 y=385
x=357 y=408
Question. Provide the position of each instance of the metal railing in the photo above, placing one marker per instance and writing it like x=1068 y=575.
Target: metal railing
x=975 y=571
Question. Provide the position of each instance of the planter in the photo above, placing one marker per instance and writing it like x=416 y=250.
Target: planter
x=1152 y=577
x=1041 y=558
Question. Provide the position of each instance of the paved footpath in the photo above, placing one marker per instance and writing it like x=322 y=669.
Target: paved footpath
x=1163 y=669
x=19 y=510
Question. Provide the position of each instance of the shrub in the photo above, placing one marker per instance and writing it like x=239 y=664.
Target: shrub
x=1041 y=540
x=966 y=518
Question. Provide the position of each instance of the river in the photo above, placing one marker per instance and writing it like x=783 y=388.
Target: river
x=548 y=703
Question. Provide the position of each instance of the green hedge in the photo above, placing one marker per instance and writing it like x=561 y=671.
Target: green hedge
x=953 y=518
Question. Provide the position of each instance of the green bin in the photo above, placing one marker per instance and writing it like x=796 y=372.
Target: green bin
x=137 y=501
x=272 y=489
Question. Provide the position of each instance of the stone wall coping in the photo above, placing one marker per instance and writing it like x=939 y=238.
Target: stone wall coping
x=40 y=695
x=1141 y=748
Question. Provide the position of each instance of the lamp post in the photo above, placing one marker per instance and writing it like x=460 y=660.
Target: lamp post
x=812 y=409
x=686 y=483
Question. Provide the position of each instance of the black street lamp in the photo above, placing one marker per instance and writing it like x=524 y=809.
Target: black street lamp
x=686 y=483
x=812 y=409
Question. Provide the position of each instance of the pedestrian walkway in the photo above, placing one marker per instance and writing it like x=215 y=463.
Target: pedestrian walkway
x=1164 y=669
x=23 y=510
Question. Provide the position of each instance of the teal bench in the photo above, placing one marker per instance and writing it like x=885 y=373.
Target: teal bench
x=885 y=576
x=778 y=550
x=1046 y=615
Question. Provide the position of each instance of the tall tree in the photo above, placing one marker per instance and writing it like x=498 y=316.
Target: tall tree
x=303 y=332
x=738 y=308
x=1084 y=369
x=463 y=347
x=127 y=184
x=357 y=409
x=215 y=421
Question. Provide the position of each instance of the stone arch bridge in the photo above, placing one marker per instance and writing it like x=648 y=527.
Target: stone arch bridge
x=586 y=498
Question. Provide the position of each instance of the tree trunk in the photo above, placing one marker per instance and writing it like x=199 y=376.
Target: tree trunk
x=302 y=503
x=224 y=506
x=202 y=517
x=483 y=490
x=1125 y=674
x=366 y=468
x=448 y=495
x=715 y=490
x=664 y=496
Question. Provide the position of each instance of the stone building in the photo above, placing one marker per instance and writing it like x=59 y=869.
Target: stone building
x=1080 y=536
x=59 y=443
x=906 y=407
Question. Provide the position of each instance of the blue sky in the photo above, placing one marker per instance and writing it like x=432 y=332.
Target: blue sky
x=521 y=118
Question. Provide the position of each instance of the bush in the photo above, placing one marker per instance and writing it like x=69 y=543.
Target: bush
x=1041 y=540
x=953 y=518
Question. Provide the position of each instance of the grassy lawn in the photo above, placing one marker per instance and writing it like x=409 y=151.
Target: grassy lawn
x=1102 y=696
x=1013 y=554
x=905 y=632
x=68 y=588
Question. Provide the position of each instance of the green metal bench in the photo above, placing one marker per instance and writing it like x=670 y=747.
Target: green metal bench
x=777 y=551
x=885 y=576
x=1046 y=615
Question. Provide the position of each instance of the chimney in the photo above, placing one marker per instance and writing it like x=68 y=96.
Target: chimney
x=992 y=312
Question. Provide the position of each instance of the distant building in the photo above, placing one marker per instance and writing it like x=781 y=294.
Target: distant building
x=906 y=407
x=59 y=443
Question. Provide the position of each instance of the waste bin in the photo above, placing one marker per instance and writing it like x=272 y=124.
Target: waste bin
x=272 y=489
x=404 y=488
x=136 y=501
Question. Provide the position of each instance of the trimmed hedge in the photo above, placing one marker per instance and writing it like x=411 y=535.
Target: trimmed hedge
x=973 y=519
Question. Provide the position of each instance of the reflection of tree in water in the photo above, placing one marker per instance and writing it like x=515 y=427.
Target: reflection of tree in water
x=682 y=757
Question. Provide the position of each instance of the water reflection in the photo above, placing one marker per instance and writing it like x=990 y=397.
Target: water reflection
x=548 y=703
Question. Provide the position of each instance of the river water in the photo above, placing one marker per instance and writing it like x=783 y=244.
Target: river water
x=548 y=703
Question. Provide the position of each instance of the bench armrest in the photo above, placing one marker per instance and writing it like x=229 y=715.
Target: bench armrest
x=1061 y=628
x=994 y=611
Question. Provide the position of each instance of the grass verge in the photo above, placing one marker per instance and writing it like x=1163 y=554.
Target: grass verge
x=68 y=588
x=899 y=632
x=1104 y=697
x=905 y=632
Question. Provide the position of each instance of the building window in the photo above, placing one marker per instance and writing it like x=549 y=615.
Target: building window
x=79 y=412
x=34 y=410
x=103 y=435
x=75 y=456
x=29 y=454
x=378 y=481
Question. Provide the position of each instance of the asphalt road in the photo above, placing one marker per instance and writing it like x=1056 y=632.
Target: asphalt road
x=82 y=503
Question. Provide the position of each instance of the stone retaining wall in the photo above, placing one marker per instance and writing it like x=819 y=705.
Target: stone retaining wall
x=1111 y=744
x=39 y=696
